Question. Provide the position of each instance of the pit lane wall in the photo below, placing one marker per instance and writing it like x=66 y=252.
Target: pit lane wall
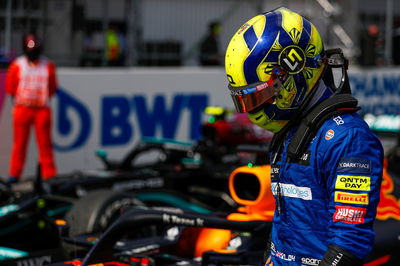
x=112 y=109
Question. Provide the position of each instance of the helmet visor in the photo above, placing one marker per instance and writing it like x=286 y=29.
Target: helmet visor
x=247 y=98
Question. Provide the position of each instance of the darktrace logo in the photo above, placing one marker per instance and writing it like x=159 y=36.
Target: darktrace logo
x=292 y=59
x=354 y=165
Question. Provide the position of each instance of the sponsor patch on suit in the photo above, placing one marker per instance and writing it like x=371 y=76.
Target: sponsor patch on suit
x=349 y=215
x=275 y=171
x=352 y=198
x=354 y=166
x=348 y=182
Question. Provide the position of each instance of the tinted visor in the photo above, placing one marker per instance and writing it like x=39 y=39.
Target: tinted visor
x=247 y=98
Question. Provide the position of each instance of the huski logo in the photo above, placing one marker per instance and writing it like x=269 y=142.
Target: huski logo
x=350 y=215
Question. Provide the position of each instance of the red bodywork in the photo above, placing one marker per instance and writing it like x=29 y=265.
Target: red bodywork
x=235 y=129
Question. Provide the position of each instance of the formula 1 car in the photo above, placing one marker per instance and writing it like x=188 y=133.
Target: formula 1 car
x=228 y=128
x=220 y=239
x=29 y=221
x=86 y=201
x=184 y=168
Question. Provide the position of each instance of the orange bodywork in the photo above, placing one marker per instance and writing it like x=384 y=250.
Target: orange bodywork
x=389 y=205
x=262 y=208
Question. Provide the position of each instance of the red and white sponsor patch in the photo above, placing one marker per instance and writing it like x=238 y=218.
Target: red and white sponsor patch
x=350 y=215
x=329 y=134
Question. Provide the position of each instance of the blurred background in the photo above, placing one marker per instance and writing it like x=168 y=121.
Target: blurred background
x=129 y=69
x=169 y=32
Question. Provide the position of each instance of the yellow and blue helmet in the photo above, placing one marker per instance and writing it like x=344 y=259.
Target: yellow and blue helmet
x=273 y=63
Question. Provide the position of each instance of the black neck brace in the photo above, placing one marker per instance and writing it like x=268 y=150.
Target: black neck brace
x=335 y=105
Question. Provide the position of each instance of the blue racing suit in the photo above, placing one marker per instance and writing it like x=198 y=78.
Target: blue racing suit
x=329 y=195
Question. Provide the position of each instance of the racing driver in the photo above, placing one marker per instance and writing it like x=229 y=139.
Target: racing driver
x=31 y=81
x=326 y=164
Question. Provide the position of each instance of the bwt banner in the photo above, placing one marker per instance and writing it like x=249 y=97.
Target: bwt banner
x=113 y=109
x=153 y=117
x=377 y=90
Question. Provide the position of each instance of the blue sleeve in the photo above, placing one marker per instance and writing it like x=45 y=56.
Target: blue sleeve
x=352 y=164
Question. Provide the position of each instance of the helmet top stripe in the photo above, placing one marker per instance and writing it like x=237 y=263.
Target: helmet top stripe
x=305 y=34
x=250 y=38
x=258 y=53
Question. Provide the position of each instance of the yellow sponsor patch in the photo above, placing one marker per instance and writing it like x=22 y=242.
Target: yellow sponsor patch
x=353 y=182
x=351 y=198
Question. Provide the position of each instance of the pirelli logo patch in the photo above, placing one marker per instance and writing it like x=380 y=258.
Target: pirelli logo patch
x=349 y=215
x=345 y=197
x=349 y=182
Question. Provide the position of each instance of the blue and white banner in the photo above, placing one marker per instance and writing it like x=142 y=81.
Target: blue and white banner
x=377 y=90
x=113 y=109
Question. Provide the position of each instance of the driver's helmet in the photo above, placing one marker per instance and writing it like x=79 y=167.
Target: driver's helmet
x=31 y=46
x=273 y=64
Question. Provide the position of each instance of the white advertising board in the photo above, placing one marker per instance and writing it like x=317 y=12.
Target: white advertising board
x=112 y=109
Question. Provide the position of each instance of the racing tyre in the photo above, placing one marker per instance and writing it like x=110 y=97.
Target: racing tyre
x=96 y=211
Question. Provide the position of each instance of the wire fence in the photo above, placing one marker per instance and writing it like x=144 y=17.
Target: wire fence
x=169 y=32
